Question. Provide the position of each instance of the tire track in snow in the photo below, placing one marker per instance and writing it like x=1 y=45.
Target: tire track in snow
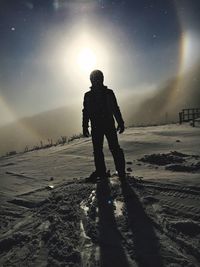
x=166 y=214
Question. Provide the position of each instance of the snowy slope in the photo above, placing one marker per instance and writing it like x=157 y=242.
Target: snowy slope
x=50 y=217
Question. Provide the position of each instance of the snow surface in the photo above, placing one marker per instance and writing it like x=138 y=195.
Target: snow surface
x=50 y=217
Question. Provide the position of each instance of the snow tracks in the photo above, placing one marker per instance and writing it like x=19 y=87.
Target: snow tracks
x=138 y=223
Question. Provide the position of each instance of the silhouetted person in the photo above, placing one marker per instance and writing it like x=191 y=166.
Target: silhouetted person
x=100 y=108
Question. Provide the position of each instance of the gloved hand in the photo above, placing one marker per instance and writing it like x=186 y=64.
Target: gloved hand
x=86 y=132
x=120 y=128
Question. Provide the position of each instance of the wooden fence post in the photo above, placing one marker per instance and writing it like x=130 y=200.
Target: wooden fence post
x=180 y=117
x=193 y=119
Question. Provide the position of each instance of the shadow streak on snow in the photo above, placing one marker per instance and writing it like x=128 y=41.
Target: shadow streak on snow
x=111 y=250
x=146 y=244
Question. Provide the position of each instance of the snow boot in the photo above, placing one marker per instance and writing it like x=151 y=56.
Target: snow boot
x=94 y=177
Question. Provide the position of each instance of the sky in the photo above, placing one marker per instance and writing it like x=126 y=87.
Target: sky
x=49 y=47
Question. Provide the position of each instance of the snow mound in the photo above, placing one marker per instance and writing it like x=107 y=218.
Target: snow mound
x=164 y=159
x=184 y=168
x=174 y=161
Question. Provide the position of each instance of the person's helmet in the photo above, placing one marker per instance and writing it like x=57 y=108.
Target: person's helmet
x=96 y=77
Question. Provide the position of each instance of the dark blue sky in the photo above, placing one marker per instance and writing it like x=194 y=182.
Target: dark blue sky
x=141 y=38
x=142 y=21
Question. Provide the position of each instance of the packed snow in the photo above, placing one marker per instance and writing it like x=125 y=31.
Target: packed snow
x=49 y=216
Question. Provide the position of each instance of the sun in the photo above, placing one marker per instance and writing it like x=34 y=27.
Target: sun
x=84 y=54
x=86 y=59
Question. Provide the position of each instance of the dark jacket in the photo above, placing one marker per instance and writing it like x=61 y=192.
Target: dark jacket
x=99 y=106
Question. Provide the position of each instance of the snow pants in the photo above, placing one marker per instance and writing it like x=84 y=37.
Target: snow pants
x=110 y=132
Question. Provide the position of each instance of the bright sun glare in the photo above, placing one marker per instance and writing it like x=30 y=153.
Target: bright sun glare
x=86 y=59
x=84 y=54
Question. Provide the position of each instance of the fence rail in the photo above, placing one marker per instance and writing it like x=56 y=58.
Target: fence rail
x=189 y=114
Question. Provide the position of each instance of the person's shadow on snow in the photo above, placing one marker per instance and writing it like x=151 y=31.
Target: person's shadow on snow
x=146 y=244
x=111 y=250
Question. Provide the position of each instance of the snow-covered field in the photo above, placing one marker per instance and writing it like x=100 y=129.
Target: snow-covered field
x=50 y=217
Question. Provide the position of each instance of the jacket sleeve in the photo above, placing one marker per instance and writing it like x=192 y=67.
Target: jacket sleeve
x=85 y=112
x=116 y=110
